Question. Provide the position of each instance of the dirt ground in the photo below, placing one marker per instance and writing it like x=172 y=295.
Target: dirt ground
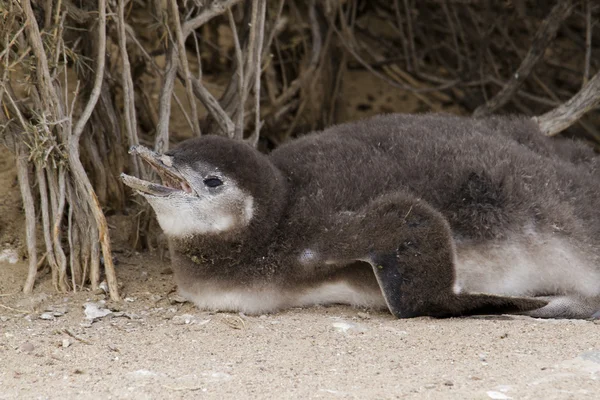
x=151 y=346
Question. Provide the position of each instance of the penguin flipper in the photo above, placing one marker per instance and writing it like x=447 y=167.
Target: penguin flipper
x=414 y=263
x=406 y=299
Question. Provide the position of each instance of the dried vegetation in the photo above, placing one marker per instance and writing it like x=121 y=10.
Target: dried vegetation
x=78 y=82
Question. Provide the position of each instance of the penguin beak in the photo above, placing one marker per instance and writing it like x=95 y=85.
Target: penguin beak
x=172 y=180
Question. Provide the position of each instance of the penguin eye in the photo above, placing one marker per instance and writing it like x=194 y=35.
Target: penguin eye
x=213 y=182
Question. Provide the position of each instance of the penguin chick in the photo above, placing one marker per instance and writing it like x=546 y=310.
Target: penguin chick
x=423 y=214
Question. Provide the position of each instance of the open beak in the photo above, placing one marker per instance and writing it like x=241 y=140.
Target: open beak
x=172 y=180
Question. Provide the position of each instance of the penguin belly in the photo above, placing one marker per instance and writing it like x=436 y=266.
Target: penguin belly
x=529 y=265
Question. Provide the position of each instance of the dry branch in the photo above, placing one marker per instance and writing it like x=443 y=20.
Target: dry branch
x=239 y=72
x=257 y=36
x=128 y=90
x=183 y=62
x=48 y=95
x=213 y=107
x=565 y=115
x=543 y=37
x=41 y=180
x=28 y=205
x=215 y=9
x=80 y=177
x=161 y=143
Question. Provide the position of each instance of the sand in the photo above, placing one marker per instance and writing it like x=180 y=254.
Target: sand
x=153 y=347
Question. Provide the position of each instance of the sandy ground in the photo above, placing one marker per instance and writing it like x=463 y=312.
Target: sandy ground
x=152 y=347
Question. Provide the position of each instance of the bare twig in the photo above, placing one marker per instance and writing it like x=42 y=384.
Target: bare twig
x=411 y=38
x=543 y=37
x=213 y=106
x=28 y=205
x=454 y=34
x=74 y=336
x=588 y=41
x=41 y=179
x=315 y=54
x=83 y=183
x=72 y=254
x=56 y=231
x=174 y=11
x=349 y=45
x=128 y=90
x=249 y=69
x=161 y=143
x=17 y=310
x=99 y=76
x=260 y=36
x=563 y=116
x=400 y=27
x=48 y=94
x=216 y=8
x=239 y=60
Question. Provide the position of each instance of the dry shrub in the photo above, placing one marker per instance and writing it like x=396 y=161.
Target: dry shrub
x=84 y=80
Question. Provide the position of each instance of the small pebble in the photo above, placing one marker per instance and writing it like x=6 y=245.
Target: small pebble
x=57 y=311
x=184 y=319
x=66 y=343
x=10 y=256
x=497 y=395
x=156 y=298
x=142 y=373
x=47 y=316
x=176 y=298
x=4 y=319
x=26 y=347
x=429 y=386
x=343 y=326
x=363 y=315
x=95 y=311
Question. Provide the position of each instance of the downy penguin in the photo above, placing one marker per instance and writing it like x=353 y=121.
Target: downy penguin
x=429 y=214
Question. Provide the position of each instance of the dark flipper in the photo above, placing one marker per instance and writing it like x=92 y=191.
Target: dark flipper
x=406 y=300
x=414 y=264
x=390 y=282
x=473 y=304
x=410 y=247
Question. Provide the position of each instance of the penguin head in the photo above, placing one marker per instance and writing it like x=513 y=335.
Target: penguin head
x=209 y=186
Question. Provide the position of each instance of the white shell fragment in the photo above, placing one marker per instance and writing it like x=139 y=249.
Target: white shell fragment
x=95 y=311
